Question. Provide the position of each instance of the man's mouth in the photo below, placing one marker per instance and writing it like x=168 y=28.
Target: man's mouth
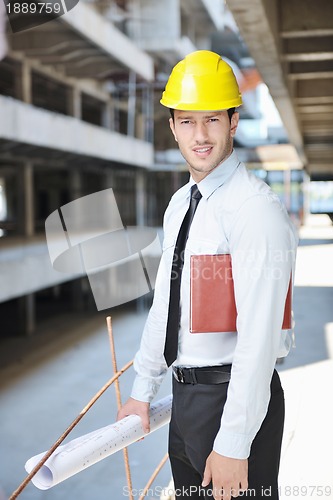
x=202 y=151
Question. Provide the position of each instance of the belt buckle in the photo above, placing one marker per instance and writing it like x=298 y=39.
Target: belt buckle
x=179 y=375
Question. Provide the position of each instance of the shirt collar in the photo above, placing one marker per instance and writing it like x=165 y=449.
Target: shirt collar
x=217 y=177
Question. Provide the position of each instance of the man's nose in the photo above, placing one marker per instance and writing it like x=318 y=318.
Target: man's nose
x=200 y=133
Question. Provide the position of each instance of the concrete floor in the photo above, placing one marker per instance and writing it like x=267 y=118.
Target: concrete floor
x=307 y=373
x=53 y=377
x=45 y=391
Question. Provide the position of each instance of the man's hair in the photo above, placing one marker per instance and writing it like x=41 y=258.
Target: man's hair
x=230 y=113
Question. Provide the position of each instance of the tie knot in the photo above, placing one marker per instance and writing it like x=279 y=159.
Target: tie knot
x=195 y=193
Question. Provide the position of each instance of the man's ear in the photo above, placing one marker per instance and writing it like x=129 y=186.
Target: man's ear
x=172 y=126
x=234 y=123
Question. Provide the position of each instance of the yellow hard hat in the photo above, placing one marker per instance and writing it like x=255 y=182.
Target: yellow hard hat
x=202 y=82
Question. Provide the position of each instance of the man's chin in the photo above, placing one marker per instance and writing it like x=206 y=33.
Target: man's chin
x=201 y=172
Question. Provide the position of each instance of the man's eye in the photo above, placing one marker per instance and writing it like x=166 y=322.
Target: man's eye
x=185 y=122
x=213 y=119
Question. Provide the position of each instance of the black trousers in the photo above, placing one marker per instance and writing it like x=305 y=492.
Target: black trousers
x=195 y=421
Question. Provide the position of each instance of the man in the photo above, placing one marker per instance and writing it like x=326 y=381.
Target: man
x=228 y=405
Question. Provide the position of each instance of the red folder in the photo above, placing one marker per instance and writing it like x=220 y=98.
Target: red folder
x=212 y=298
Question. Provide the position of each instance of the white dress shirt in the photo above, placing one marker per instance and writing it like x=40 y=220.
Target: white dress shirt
x=238 y=214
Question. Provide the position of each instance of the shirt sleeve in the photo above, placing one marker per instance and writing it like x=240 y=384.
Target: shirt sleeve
x=149 y=362
x=263 y=247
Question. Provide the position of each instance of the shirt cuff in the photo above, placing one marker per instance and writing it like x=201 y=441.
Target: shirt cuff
x=232 y=445
x=144 y=388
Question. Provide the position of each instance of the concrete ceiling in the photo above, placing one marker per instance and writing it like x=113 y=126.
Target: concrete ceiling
x=82 y=44
x=291 y=42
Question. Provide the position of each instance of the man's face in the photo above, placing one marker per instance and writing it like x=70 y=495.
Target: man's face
x=205 y=138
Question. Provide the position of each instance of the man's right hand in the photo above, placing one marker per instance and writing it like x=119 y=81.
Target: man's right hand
x=135 y=407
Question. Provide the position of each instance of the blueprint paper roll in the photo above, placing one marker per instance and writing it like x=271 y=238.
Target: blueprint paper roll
x=84 y=451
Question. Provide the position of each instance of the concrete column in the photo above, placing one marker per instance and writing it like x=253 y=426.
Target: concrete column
x=26 y=315
x=26 y=83
x=18 y=85
x=140 y=198
x=148 y=112
x=108 y=116
x=131 y=112
x=74 y=103
x=77 y=293
x=26 y=212
x=140 y=206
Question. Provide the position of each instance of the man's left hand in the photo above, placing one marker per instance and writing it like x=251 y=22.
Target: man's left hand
x=228 y=475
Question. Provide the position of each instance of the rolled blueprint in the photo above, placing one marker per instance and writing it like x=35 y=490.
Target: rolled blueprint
x=84 y=451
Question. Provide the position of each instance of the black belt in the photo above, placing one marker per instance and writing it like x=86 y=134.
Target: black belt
x=202 y=374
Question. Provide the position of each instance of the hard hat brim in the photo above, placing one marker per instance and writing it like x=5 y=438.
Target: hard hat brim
x=202 y=106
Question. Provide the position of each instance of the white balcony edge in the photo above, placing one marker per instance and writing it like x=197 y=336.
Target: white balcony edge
x=31 y=125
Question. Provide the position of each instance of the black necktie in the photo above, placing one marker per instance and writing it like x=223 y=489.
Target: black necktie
x=171 y=340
